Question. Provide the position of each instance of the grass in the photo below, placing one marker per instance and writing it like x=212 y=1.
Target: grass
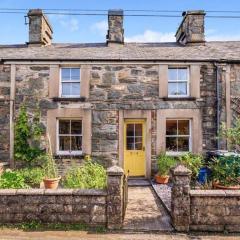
x=38 y=226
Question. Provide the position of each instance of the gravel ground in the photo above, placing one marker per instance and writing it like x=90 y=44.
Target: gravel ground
x=164 y=193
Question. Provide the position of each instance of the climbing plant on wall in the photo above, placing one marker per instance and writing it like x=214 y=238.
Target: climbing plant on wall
x=27 y=137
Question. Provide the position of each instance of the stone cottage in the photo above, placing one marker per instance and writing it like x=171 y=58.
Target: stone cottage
x=122 y=103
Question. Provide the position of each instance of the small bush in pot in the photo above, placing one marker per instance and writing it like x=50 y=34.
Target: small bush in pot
x=226 y=172
x=51 y=179
x=164 y=164
x=193 y=162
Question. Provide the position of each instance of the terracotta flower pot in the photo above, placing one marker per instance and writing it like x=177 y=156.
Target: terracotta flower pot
x=161 y=179
x=219 y=186
x=51 y=183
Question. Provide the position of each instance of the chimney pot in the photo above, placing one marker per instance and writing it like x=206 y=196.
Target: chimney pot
x=115 y=27
x=191 y=29
x=40 y=30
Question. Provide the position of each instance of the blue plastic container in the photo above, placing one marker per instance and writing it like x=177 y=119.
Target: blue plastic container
x=203 y=175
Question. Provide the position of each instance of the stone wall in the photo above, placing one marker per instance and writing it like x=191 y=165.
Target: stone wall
x=92 y=207
x=203 y=210
x=215 y=210
x=4 y=112
x=112 y=88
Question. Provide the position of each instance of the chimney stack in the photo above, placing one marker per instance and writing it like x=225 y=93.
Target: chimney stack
x=191 y=29
x=40 y=30
x=115 y=27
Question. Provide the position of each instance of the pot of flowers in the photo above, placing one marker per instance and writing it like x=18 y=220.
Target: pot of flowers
x=226 y=172
x=164 y=164
x=51 y=178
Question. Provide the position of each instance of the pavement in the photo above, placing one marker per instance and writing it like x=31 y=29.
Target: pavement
x=82 y=235
x=145 y=212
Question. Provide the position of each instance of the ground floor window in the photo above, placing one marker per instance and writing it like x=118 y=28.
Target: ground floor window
x=69 y=136
x=178 y=135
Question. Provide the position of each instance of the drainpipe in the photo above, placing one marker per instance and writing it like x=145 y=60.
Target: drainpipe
x=11 y=121
x=218 y=103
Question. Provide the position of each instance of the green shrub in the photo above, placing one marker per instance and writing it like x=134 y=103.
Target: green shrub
x=32 y=176
x=192 y=162
x=90 y=175
x=12 y=179
x=226 y=170
x=164 y=163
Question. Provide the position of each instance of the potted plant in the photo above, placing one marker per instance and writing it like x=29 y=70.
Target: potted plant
x=226 y=172
x=164 y=164
x=51 y=179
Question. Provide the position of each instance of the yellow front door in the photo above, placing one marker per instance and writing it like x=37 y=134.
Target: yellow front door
x=134 y=147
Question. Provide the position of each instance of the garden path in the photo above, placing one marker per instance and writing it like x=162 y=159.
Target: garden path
x=145 y=212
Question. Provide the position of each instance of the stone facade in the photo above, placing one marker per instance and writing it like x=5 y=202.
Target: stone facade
x=92 y=207
x=203 y=210
x=112 y=87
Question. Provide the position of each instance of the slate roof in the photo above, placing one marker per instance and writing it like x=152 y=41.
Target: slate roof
x=228 y=50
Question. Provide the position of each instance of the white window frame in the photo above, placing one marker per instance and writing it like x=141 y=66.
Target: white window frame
x=178 y=153
x=179 y=81
x=71 y=81
x=59 y=152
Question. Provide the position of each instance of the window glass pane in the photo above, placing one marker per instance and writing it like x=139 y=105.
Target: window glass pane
x=182 y=74
x=64 y=127
x=75 y=89
x=171 y=144
x=65 y=72
x=138 y=130
x=172 y=89
x=171 y=127
x=183 y=127
x=75 y=74
x=76 y=143
x=66 y=89
x=64 y=143
x=182 y=88
x=138 y=143
x=172 y=74
x=76 y=127
x=130 y=143
x=130 y=130
x=183 y=144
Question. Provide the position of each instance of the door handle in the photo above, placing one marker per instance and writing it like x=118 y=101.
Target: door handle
x=143 y=148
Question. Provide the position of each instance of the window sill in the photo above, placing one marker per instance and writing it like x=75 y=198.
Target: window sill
x=69 y=99
x=62 y=156
x=179 y=99
x=175 y=154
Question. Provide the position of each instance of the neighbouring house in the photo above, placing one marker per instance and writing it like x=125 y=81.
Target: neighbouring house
x=122 y=103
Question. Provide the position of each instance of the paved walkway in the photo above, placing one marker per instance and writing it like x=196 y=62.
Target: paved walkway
x=76 y=235
x=144 y=211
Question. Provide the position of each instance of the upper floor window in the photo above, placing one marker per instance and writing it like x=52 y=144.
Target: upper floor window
x=178 y=82
x=69 y=136
x=70 y=82
x=178 y=135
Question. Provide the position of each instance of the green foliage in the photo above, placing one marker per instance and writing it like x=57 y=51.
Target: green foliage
x=32 y=176
x=49 y=165
x=192 y=162
x=164 y=163
x=38 y=226
x=90 y=175
x=232 y=134
x=12 y=179
x=226 y=170
x=27 y=137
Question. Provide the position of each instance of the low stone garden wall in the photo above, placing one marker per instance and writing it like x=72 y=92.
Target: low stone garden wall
x=203 y=210
x=92 y=207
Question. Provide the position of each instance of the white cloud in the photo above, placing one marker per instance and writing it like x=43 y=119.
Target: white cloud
x=100 y=28
x=72 y=24
x=152 y=36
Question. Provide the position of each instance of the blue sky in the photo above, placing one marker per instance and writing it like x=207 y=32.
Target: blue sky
x=93 y=28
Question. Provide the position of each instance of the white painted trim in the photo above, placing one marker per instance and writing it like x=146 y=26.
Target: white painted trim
x=70 y=153
x=60 y=82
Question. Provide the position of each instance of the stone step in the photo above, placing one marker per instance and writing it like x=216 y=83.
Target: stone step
x=135 y=182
